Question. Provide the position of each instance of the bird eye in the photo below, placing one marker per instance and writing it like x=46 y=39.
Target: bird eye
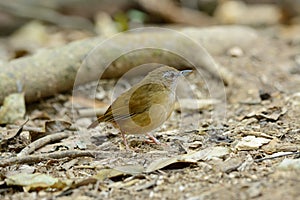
x=169 y=75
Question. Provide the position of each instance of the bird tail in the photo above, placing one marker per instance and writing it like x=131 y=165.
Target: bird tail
x=98 y=121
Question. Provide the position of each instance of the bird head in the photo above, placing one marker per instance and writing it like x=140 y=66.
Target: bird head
x=169 y=76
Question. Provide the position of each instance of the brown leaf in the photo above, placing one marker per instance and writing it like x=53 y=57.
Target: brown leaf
x=108 y=173
x=164 y=162
x=272 y=113
x=119 y=171
x=13 y=108
x=36 y=181
x=54 y=126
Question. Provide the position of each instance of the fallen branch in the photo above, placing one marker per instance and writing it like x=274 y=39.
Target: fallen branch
x=277 y=156
x=32 y=11
x=168 y=10
x=49 y=72
x=26 y=159
x=42 y=142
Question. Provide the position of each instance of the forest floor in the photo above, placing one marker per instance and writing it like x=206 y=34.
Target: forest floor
x=249 y=148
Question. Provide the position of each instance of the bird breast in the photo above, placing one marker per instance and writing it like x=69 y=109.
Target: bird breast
x=148 y=110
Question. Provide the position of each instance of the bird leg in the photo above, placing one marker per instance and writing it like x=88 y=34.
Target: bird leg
x=125 y=141
x=153 y=139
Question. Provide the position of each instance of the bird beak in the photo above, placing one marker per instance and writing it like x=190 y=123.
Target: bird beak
x=185 y=72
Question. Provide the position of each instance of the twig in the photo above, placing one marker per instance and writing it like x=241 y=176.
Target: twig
x=276 y=156
x=43 y=141
x=42 y=157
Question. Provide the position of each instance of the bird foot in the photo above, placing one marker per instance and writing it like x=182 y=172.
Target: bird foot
x=155 y=141
x=125 y=142
x=152 y=139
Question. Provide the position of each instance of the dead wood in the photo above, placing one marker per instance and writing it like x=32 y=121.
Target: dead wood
x=168 y=10
x=43 y=141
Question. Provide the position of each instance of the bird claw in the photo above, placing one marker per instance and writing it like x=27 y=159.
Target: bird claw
x=125 y=142
x=152 y=139
x=155 y=141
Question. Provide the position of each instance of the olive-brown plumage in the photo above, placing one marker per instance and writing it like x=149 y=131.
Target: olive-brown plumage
x=145 y=106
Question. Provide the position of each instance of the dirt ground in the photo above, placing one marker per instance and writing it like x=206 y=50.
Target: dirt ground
x=261 y=124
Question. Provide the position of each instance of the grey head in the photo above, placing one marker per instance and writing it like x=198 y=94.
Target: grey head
x=166 y=75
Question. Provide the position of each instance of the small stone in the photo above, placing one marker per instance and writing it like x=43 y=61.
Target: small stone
x=251 y=143
x=289 y=164
x=235 y=52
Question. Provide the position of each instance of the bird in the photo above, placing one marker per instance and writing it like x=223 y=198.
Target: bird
x=146 y=105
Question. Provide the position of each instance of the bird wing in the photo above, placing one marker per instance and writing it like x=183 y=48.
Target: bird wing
x=132 y=104
x=110 y=116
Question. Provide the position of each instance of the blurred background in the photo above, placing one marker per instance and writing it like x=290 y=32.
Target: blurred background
x=28 y=25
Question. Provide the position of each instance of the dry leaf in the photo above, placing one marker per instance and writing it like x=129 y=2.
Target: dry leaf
x=54 y=126
x=107 y=173
x=13 y=108
x=164 y=162
x=36 y=181
x=130 y=169
x=230 y=165
x=119 y=171
x=9 y=134
x=21 y=169
x=208 y=153
x=272 y=113
x=205 y=154
x=271 y=147
x=251 y=143
x=30 y=37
